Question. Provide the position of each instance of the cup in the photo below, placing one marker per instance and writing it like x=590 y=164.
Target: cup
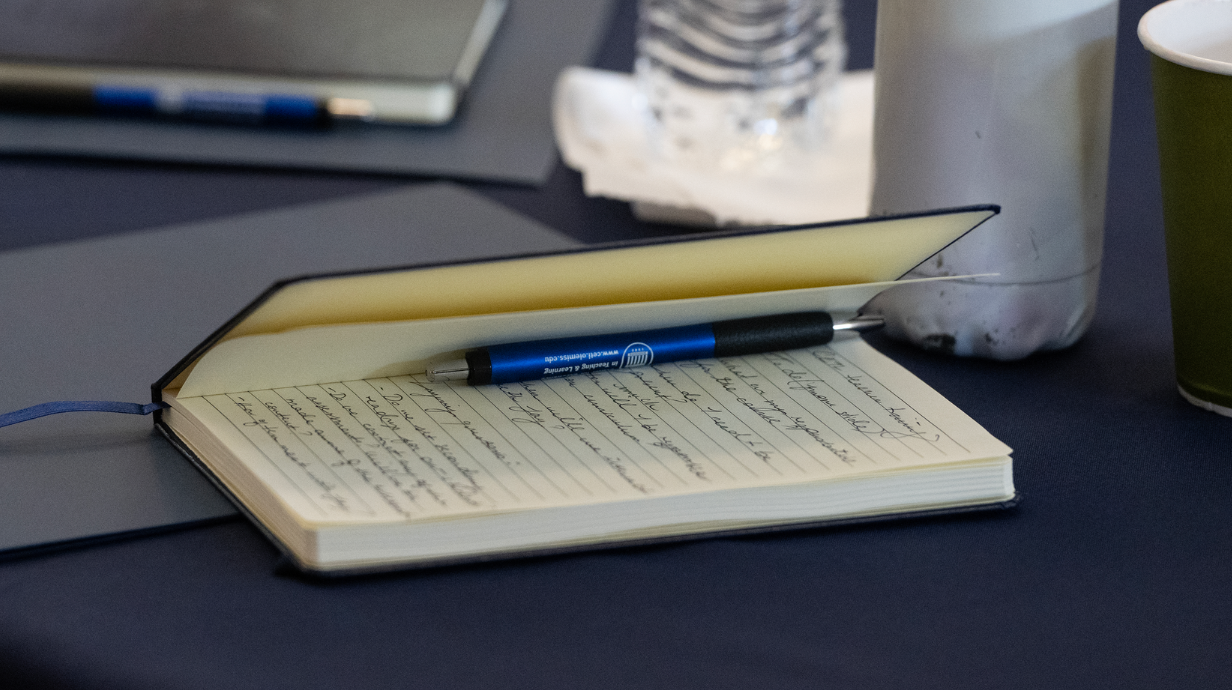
x=1003 y=102
x=1191 y=63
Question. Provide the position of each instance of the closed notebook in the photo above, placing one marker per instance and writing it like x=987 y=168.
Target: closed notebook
x=411 y=59
x=311 y=409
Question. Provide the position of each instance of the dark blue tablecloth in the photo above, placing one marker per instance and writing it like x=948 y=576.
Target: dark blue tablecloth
x=1112 y=573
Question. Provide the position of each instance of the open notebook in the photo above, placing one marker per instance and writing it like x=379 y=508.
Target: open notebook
x=311 y=409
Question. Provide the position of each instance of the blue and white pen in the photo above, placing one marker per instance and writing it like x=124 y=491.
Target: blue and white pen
x=230 y=107
x=566 y=356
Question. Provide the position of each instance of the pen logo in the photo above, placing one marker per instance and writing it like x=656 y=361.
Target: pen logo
x=636 y=355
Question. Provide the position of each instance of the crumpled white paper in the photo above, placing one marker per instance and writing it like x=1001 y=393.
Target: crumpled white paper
x=602 y=133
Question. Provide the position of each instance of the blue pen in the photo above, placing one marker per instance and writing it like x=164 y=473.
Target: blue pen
x=186 y=104
x=567 y=356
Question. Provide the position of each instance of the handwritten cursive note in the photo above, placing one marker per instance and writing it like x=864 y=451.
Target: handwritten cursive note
x=403 y=448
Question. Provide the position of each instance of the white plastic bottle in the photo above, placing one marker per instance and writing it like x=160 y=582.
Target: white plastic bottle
x=1006 y=102
x=736 y=85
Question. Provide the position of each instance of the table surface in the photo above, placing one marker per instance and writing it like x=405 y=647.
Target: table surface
x=1113 y=571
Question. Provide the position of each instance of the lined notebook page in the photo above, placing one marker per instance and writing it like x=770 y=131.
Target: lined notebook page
x=401 y=448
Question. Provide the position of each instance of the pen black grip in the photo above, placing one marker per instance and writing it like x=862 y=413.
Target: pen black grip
x=480 y=364
x=66 y=100
x=770 y=333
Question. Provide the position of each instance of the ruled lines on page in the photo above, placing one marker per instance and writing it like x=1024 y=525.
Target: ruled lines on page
x=401 y=448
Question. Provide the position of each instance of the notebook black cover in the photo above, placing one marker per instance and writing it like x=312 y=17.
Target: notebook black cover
x=420 y=40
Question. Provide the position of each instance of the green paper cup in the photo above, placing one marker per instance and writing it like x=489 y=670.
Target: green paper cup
x=1191 y=62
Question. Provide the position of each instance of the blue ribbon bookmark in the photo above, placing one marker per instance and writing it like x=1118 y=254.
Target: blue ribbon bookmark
x=59 y=406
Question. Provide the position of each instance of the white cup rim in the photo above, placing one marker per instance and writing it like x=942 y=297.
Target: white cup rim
x=1151 y=26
